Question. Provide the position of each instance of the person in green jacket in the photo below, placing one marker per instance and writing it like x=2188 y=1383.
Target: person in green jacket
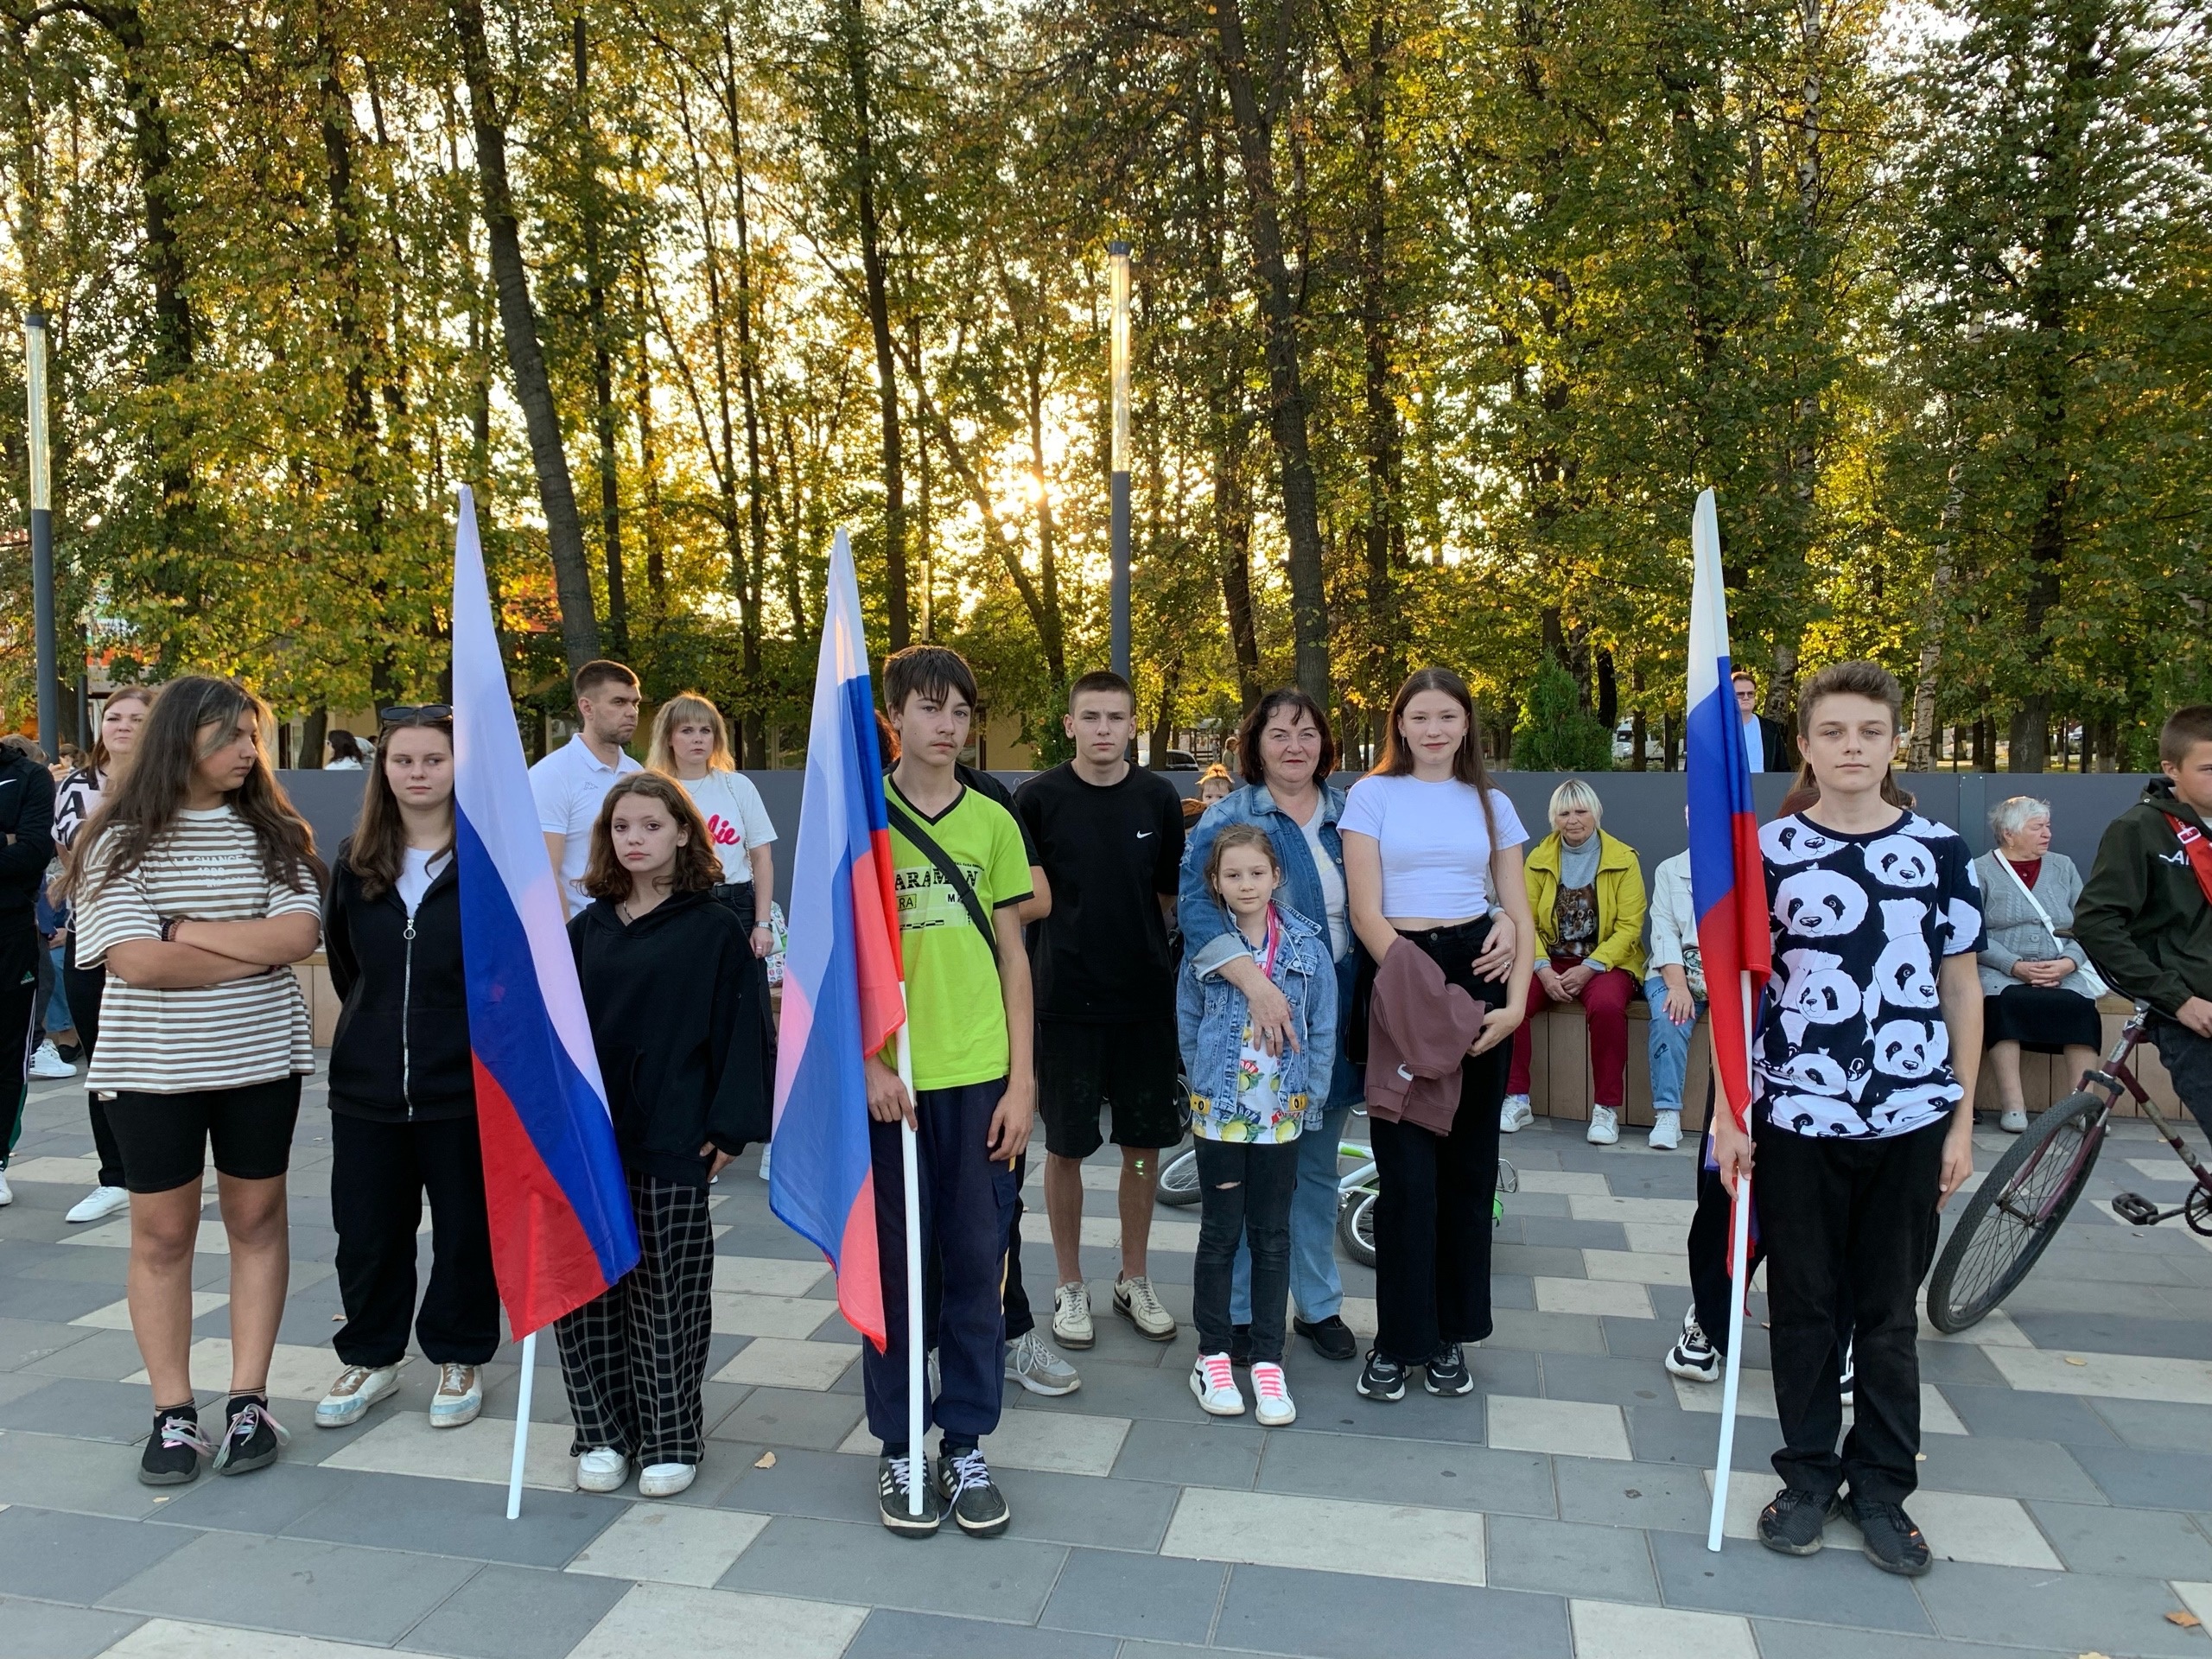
x=2145 y=915
x=1586 y=888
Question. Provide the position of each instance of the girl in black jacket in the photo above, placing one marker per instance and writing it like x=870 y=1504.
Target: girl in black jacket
x=677 y=1022
x=402 y=1090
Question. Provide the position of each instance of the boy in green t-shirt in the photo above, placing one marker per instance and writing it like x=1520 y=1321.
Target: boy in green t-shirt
x=967 y=1009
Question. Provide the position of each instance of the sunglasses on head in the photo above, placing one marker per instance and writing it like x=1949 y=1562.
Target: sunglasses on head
x=400 y=714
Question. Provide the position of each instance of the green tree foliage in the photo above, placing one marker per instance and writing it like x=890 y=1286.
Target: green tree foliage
x=1556 y=733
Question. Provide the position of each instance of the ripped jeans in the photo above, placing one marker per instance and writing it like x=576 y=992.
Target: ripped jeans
x=1244 y=1189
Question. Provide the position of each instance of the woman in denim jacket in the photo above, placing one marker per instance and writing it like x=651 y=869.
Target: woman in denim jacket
x=1249 y=1106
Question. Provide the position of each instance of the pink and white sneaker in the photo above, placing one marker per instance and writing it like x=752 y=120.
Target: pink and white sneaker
x=1271 y=1396
x=1215 y=1385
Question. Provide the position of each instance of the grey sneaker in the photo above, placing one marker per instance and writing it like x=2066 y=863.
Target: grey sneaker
x=1071 y=1326
x=964 y=1483
x=1031 y=1362
x=1136 y=1301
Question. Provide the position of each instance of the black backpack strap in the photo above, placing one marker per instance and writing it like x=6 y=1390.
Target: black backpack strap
x=909 y=826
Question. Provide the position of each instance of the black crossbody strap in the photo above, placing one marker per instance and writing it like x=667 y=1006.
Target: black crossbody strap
x=907 y=825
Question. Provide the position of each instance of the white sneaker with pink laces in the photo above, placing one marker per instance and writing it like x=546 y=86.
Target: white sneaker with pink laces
x=1271 y=1396
x=1215 y=1385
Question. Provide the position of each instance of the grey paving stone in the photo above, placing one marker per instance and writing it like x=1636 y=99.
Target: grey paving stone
x=516 y=1612
x=2025 y=1414
x=2160 y=1425
x=1561 y=1234
x=1420 y=1416
x=2118 y=1333
x=818 y=1485
x=1547 y=1333
x=1608 y=1379
x=928 y=1636
x=1107 y=1592
x=1836 y=1587
x=1604 y=1493
x=757 y=1233
x=23 y=1341
x=1341 y=1616
x=1112 y=1514
x=2170 y=1480
x=2076 y=1613
x=460 y=1518
x=267 y=1501
x=1116 y=1387
x=1211 y=1453
x=2003 y=1468
x=1439 y=1474
x=50 y=1471
x=60 y=1261
x=825 y=1560
x=1572 y=1559
x=101 y=1356
x=2047 y=1294
x=76 y=1557
x=1780 y=1640
x=59 y=1301
x=797 y=1417
x=50 y=1631
x=1670 y=1434
x=291 y=1584
x=118 y=1413
x=1553 y=1261
x=1958 y=1362
x=2138 y=1543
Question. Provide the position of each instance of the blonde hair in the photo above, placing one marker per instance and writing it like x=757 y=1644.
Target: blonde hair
x=689 y=708
x=1575 y=793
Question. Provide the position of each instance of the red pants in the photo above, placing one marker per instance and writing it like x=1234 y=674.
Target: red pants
x=1605 y=1005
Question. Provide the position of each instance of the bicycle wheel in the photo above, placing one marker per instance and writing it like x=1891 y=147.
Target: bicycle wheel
x=2017 y=1210
x=1179 y=1182
x=1355 y=1226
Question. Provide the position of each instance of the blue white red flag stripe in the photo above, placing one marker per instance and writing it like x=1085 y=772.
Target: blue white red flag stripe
x=843 y=996
x=559 y=1206
x=1727 y=881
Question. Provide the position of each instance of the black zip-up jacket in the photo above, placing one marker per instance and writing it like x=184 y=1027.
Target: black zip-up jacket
x=2141 y=916
x=27 y=820
x=680 y=1024
x=401 y=1052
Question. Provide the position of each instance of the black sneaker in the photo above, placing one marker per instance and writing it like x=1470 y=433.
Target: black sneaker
x=1448 y=1373
x=1791 y=1524
x=1890 y=1539
x=963 y=1481
x=252 y=1438
x=174 y=1448
x=1332 y=1337
x=891 y=1491
x=1382 y=1379
x=1239 y=1345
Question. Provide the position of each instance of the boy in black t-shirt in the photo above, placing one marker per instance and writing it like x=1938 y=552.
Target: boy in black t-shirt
x=1866 y=1054
x=1109 y=837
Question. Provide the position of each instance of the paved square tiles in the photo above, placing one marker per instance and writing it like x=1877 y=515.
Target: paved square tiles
x=1269 y=1529
x=1569 y=1428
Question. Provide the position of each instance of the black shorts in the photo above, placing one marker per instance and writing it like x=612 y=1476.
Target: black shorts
x=165 y=1137
x=1132 y=1068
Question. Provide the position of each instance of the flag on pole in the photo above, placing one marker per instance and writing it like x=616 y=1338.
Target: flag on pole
x=1727 y=881
x=559 y=1206
x=842 y=996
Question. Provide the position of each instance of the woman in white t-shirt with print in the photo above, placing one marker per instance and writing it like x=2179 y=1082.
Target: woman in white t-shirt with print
x=1428 y=844
x=197 y=887
x=692 y=745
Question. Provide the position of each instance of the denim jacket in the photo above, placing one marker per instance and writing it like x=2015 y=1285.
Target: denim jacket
x=1210 y=1015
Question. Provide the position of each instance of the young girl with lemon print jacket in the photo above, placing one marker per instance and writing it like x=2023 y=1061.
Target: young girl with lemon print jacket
x=1247 y=1108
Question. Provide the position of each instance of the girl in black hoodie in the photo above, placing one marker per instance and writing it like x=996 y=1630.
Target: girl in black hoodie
x=677 y=1022
x=402 y=1090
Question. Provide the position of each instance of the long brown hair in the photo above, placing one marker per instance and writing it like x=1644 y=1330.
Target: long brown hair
x=1858 y=679
x=1396 y=760
x=378 y=851
x=696 y=868
x=143 y=806
x=96 y=759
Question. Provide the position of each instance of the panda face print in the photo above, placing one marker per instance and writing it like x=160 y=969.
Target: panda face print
x=1903 y=975
x=1812 y=1071
x=1815 y=1114
x=1816 y=989
x=1961 y=924
x=1792 y=841
x=1900 y=862
x=1905 y=1107
x=1912 y=1049
x=1819 y=904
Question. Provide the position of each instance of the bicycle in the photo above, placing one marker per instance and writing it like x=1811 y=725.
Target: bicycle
x=2011 y=1217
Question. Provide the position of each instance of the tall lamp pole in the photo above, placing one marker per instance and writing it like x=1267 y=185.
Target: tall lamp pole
x=1118 y=255
x=49 y=714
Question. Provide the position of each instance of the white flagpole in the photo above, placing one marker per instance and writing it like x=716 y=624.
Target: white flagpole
x=910 y=1160
x=1740 y=1250
x=522 y=1425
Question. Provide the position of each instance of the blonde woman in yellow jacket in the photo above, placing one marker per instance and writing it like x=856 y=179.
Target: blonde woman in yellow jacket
x=1586 y=888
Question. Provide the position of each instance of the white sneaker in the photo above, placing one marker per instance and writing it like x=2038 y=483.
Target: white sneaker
x=1071 y=1326
x=1214 y=1382
x=1604 y=1127
x=764 y=1151
x=47 y=1062
x=99 y=1204
x=1666 y=1131
x=358 y=1388
x=1272 y=1407
x=1515 y=1115
x=602 y=1469
x=2014 y=1119
x=1136 y=1301
x=458 y=1397
x=7 y=1192
x=1031 y=1362
x=1693 y=1358
x=665 y=1480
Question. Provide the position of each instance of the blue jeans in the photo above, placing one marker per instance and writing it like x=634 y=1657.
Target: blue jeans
x=57 y=1004
x=1316 y=1288
x=1670 y=1046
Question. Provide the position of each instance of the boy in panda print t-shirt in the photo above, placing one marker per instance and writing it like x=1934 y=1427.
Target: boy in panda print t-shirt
x=1865 y=1058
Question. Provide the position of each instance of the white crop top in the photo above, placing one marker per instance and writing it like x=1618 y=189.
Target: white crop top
x=1434 y=844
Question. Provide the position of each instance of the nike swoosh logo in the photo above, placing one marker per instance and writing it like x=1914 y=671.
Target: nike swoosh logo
x=1144 y=835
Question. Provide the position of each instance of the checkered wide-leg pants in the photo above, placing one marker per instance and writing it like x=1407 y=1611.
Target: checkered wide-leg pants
x=633 y=1358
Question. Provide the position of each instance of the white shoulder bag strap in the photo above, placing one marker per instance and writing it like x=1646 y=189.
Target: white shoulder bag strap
x=2097 y=986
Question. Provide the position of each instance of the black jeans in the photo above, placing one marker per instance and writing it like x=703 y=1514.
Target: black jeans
x=1244 y=1189
x=85 y=986
x=1857 y=1218
x=2188 y=1059
x=1432 y=1218
x=378 y=1173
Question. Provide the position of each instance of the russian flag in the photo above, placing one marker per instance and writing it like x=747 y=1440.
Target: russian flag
x=562 y=1230
x=843 y=996
x=1727 y=882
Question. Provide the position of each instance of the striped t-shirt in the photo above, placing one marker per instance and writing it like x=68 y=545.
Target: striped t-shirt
x=206 y=869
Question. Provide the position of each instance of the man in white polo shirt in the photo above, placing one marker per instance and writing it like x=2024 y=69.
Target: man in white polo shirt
x=571 y=782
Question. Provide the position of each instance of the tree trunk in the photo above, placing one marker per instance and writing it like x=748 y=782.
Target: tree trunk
x=748 y=376
x=314 y=739
x=1309 y=611
x=1232 y=521
x=556 y=494
x=1386 y=630
x=1920 y=755
x=603 y=356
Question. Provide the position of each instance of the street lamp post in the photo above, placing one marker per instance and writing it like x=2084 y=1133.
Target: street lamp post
x=41 y=500
x=1117 y=255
